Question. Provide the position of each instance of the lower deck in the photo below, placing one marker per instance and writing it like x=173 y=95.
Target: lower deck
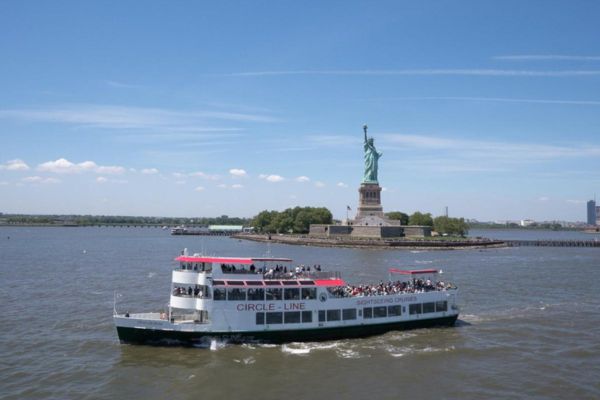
x=156 y=335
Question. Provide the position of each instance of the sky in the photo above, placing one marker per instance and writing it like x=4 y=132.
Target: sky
x=194 y=108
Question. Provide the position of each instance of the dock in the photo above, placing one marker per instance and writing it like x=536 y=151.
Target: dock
x=553 y=243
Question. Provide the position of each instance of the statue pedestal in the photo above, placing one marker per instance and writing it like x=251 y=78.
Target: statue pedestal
x=370 y=211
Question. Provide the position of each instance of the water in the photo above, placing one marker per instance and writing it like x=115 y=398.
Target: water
x=529 y=326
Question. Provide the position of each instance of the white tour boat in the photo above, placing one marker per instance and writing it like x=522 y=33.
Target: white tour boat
x=267 y=300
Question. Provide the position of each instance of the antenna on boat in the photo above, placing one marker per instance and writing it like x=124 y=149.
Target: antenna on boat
x=115 y=303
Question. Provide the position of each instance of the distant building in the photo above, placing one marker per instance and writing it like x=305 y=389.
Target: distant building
x=527 y=222
x=592 y=213
x=597 y=215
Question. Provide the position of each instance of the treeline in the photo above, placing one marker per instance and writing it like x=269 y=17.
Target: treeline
x=291 y=220
x=86 y=220
x=513 y=225
x=442 y=224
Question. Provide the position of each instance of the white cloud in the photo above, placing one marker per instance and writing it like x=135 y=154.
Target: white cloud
x=578 y=202
x=101 y=179
x=384 y=189
x=110 y=170
x=202 y=175
x=118 y=117
x=64 y=166
x=237 y=172
x=302 y=179
x=237 y=186
x=149 y=171
x=180 y=182
x=342 y=185
x=491 y=150
x=543 y=198
x=546 y=57
x=178 y=175
x=3 y=183
x=222 y=186
x=272 y=178
x=319 y=184
x=425 y=72
x=15 y=165
x=39 y=179
x=199 y=188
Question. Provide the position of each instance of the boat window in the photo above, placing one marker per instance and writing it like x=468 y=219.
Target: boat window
x=306 y=316
x=289 y=282
x=321 y=315
x=236 y=294
x=367 y=312
x=256 y=294
x=414 y=309
x=235 y=283
x=380 y=312
x=273 y=294
x=333 y=315
x=215 y=283
x=428 y=307
x=292 y=317
x=219 y=294
x=272 y=283
x=441 y=306
x=309 y=293
x=260 y=318
x=394 y=311
x=254 y=283
x=291 y=294
x=348 y=313
x=274 y=318
x=307 y=282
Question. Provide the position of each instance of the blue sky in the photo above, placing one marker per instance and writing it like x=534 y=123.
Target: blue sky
x=210 y=108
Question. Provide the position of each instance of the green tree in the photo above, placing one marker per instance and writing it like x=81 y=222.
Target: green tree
x=397 y=215
x=419 y=218
x=450 y=226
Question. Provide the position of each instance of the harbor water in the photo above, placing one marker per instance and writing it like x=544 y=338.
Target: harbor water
x=528 y=329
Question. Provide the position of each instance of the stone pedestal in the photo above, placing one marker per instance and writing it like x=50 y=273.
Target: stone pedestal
x=369 y=203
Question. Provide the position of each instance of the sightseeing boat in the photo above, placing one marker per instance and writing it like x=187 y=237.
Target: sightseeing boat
x=267 y=300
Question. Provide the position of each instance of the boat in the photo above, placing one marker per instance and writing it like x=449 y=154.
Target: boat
x=267 y=300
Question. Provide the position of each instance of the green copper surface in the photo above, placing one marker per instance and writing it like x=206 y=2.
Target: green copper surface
x=371 y=159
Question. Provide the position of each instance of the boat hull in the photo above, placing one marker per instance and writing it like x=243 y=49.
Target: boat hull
x=160 y=337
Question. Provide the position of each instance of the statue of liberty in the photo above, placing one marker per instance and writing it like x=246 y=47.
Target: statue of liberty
x=371 y=159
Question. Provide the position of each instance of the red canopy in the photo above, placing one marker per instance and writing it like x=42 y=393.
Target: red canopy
x=329 y=282
x=413 y=271
x=229 y=260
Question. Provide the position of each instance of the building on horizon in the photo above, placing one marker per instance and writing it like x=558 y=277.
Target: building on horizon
x=592 y=213
x=527 y=222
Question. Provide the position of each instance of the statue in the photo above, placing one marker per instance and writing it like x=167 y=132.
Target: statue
x=371 y=159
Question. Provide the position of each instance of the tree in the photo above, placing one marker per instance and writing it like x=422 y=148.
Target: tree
x=399 y=216
x=297 y=219
x=450 y=226
x=419 y=218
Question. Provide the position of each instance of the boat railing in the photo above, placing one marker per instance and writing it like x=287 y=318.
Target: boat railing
x=303 y=275
x=191 y=296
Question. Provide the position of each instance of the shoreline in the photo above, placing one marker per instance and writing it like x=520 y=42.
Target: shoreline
x=400 y=244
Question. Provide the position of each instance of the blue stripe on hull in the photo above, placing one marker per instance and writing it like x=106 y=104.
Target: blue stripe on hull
x=165 y=338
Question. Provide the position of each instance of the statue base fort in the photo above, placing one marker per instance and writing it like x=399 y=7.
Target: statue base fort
x=370 y=221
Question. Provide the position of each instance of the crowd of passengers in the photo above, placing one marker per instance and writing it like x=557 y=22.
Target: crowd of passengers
x=278 y=272
x=414 y=286
x=189 y=291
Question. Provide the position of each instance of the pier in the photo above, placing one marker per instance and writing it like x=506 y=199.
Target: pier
x=553 y=243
